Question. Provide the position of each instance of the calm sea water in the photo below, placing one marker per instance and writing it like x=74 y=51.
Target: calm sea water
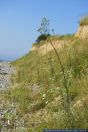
x=7 y=58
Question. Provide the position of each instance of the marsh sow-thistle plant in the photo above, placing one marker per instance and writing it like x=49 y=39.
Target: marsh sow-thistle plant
x=45 y=29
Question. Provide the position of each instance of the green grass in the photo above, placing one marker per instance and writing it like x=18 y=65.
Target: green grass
x=45 y=72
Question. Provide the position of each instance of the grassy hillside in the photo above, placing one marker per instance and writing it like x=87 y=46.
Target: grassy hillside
x=44 y=96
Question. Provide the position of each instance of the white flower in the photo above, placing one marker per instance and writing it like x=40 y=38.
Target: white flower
x=57 y=88
x=8 y=122
x=44 y=95
x=46 y=102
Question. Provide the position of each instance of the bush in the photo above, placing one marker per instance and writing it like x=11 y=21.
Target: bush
x=84 y=21
x=42 y=37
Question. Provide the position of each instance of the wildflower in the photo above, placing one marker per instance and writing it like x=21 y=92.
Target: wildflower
x=8 y=122
x=46 y=102
x=44 y=95
x=57 y=88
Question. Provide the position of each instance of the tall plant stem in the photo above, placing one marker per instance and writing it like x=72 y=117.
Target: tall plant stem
x=62 y=68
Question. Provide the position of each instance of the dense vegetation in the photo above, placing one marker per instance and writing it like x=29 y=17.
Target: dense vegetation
x=40 y=90
x=42 y=37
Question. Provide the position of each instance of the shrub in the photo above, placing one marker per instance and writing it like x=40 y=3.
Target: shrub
x=42 y=37
x=84 y=21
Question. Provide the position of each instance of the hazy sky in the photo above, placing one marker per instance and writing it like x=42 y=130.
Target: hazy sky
x=20 y=19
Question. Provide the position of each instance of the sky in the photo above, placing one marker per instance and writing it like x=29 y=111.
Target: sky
x=20 y=19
